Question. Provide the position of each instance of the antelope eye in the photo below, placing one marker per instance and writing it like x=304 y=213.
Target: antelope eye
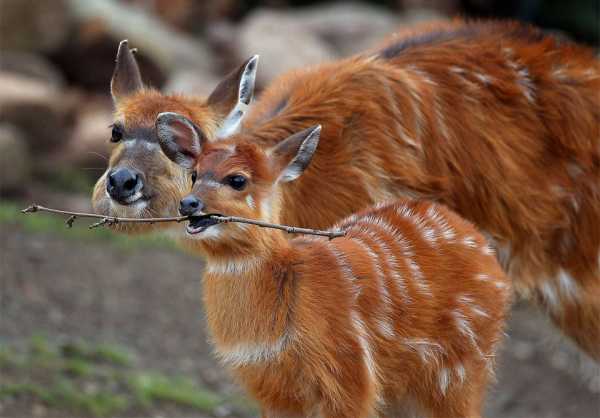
x=194 y=177
x=236 y=181
x=117 y=133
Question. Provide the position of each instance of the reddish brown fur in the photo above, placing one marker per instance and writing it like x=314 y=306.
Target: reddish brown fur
x=416 y=283
x=495 y=120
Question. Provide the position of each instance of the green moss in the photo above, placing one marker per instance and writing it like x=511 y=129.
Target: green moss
x=78 y=367
x=99 y=403
x=149 y=388
x=19 y=389
x=113 y=354
x=96 y=379
x=99 y=353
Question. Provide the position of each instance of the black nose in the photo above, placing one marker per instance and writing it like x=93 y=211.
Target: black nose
x=123 y=183
x=190 y=205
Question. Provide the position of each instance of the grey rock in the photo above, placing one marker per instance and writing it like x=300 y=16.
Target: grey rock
x=38 y=108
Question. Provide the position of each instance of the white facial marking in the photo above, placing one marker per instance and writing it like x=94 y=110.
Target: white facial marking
x=265 y=208
x=210 y=183
x=250 y=202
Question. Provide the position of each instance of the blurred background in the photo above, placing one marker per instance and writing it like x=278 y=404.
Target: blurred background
x=94 y=324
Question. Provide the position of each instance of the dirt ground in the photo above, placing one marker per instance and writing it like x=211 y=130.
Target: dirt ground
x=149 y=300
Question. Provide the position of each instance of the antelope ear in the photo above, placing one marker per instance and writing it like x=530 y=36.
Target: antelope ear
x=233 y=95
x=294 y=154
x=179 y=138
x=126 y=78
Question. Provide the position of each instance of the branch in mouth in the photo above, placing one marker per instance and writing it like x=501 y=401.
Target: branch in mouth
x=203 y=221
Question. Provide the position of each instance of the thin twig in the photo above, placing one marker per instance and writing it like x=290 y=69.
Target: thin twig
x=110 y=220
x=113 y=220
x=286 y=228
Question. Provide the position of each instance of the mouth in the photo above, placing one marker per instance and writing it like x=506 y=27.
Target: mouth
x=135 y=200
x=200 y=223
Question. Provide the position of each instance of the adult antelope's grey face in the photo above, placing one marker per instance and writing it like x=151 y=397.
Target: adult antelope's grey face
x=140 y=181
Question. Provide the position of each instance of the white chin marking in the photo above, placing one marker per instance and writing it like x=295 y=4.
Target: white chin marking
x=132 y=210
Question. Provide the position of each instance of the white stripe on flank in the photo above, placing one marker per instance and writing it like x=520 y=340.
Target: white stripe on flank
x=441 y=119
x=426 y=232
x=406 y=247
x=487 y=249
x=422 y=74
x=470 y=303
x=457 y=70
x=390 y=258
x=447 y=232
x=413 y=87
x=460 y=372
x=404 y=211
x=249 y=353
x=469 y=242
x=385 y=319
x=485 y=79
x=567 y=285
x=500 y=285
x=418 y=275
x=550 y=297
x=526 y=83
x=345 y=269
x=464 y=327
x=444 y=380
x=363 y=340
x=427 y=350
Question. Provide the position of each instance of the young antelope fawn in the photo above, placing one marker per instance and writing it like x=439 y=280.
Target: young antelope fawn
x=406 y=309
x=496 y=120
